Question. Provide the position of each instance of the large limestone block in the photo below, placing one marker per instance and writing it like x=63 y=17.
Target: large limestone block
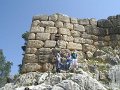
x=74 y=46
x=43 y=36
x=43 y=58
x=50 y=44
x=64 y=31
x=107 y=38
x=79 y=27
x=73 y=20
x=68 y=25
x=83 y=21
x=88 y=41
x=75 y=33
x=35 y=44
x=44 y=51
x=51 y=30
x=63 y=18
x=30 y=58
x=59 y=24
x=100 y=43
x=87 y=47
x=93 y=21
x=31 y=67
x=46 y=23
x=95 y=38
x=40 y=17
x=35 y=23
x=37 y=29
x=53 y=17
x=79 y=40
x=31 y=36
x=61 y=44
x=67 y=38
x=31 y=50
x=86 y=36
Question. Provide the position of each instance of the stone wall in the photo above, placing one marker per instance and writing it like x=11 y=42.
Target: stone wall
x=62 y=32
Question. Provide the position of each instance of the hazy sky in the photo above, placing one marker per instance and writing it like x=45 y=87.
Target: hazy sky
x=16 y=17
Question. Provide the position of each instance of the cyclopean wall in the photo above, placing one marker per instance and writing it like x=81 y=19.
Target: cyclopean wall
x=62 y=32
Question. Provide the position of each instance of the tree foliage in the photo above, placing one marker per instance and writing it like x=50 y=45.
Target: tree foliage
x=5 y=68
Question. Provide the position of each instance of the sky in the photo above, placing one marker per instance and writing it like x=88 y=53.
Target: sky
x=16 y=17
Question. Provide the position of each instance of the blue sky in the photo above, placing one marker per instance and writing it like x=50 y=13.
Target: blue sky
x=16 y=17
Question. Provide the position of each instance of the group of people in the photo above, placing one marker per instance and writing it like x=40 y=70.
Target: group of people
x=70 y=63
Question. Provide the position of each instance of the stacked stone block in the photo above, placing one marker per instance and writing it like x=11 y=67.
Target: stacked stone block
x=62 y=32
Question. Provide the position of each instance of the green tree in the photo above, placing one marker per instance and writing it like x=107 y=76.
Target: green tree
x=5 y=68
x=25 y=37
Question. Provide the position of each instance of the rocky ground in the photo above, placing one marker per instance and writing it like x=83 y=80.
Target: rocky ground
x=55 y=81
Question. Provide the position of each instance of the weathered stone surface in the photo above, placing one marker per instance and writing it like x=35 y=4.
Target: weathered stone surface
x=104 y=23
x=67 y=38
x=86 y=36
x=99 y=43
x=79 y=27
x=51 y=30
x=52 y=37
x=95 y=38
x=31 y=67
x=107 y=38
x=31 y=50
x=43 y=58
x=59 y=24
x=80 y=56
x=46 y=23
x=79 y=40
x=61 y=44
x=30 y=58
x=83 y=21
x=40 y=17
x=53 y=17
x=89 y=54
x=64 y=31
x=31 y=36
x=35 y=23
x=37 y=29
x=88 y=41
x=63 y=18
x=73 y=20
x=35 y=44
x=87 y=47
x=75 y=33
x=50 y=44
x=44 y=51
x=43 y=36
x=74 y=46
x=93 y=21
x=68 y=25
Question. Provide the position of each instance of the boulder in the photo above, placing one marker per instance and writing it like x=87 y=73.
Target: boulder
x=31 y=50
x=63 y=18
x=74 y=46
x=61 y=44
x=37 y=29
x=64 y=31
x=68 y=25
x=35 y=23
x=53 y=17
x=50 y=44
x=75 y=33
x=59 y=24
x=43 y=36
x=46 y=23
x=35 y=44
x=87 y=47
x=67 y=38
x=74 y=20
x=51 y=30
x=40 y=17
x=78 y=27
x=30 y=58
x=93 y=21
x=83 y=21
x=31 y=36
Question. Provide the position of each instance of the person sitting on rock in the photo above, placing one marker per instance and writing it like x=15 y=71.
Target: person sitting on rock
x=58 y=62
x=74 y=59
x=68 y=61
